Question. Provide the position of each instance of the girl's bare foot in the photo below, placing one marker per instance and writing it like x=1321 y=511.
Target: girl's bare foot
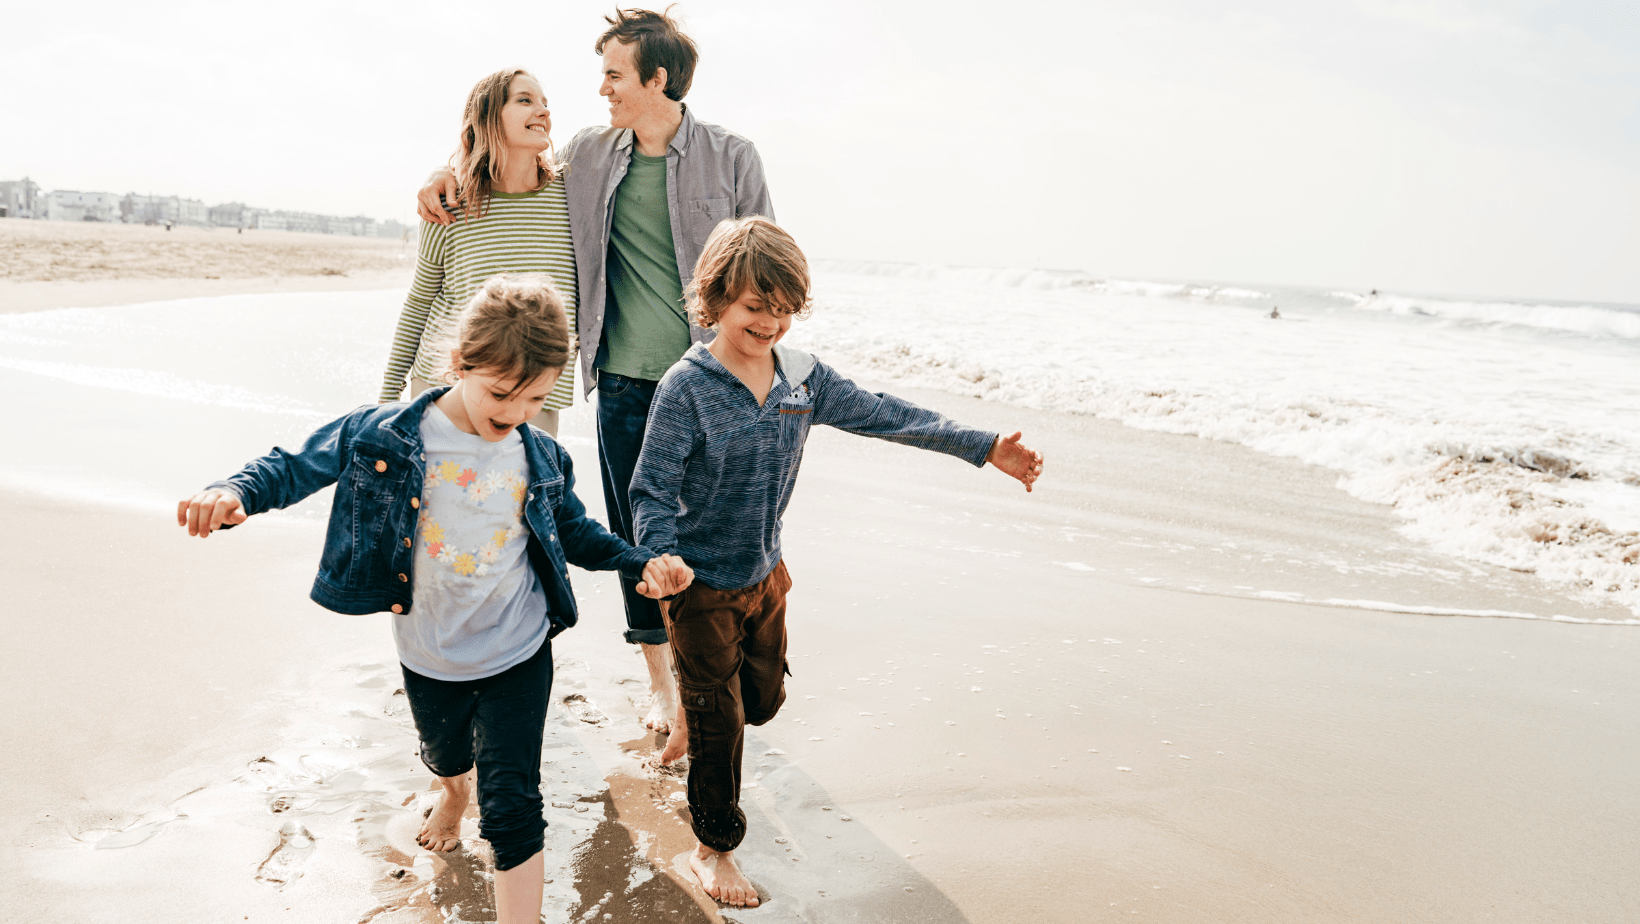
x=721 y=878
x=441 y=832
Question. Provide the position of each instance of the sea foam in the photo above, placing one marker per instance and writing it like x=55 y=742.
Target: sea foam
x=1498 y=437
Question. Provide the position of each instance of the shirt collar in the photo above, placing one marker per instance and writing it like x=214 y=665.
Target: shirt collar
x=680 y=139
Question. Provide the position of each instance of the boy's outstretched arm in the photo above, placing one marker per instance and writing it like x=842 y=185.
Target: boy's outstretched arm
x=210 y=510
x=1012 y=458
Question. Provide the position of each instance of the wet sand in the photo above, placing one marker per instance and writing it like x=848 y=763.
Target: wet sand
x=1096 y=702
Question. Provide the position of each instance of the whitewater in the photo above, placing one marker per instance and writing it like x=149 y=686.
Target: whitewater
x=1502 y=433
x=1505 y=433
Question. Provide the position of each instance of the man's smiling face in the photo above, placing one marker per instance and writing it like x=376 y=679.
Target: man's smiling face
x=630 y=99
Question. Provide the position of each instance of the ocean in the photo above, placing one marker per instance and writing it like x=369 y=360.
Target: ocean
x=1502 y=432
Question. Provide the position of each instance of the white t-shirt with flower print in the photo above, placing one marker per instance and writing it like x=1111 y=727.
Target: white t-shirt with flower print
x=479 y=608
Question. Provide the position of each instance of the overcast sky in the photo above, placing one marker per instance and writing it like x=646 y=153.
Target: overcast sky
x=1484 y=149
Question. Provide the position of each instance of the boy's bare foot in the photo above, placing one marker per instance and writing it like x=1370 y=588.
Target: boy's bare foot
x=721 y=878
x=441 y=832
x=663 y=687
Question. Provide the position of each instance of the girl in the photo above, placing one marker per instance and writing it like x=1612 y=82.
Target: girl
x=461 y=521
x=513 y=219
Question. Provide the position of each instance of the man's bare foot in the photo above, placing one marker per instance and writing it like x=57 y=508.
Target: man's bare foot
x=721 y=878
x=441 y=832
x=663 y=687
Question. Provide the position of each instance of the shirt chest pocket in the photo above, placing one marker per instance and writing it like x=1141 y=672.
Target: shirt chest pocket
x=376 y=478
x=795 y=415
x=705 y=214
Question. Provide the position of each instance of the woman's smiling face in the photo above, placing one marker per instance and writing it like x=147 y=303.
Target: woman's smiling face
x=526 y=121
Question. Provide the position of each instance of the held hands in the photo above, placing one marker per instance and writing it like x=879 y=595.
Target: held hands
x=665 y=576
x=428 y=206
x=1015 y=460
x=209 y=510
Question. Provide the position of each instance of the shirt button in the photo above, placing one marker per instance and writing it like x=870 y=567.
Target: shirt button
x=407 y=542
x=415 y=502
x=403 y=578
x=396 y=608
x=381 y=466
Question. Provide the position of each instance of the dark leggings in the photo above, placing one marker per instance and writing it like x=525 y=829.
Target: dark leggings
x=498 y=722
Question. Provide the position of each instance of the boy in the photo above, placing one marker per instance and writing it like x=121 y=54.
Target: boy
x=725 y=438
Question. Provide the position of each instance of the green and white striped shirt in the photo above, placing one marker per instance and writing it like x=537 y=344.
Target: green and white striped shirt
x=518 y=233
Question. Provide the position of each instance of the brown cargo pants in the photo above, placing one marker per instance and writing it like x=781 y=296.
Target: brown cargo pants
x=729 y=651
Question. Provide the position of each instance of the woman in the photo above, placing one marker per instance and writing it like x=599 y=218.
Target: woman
x=512 y=218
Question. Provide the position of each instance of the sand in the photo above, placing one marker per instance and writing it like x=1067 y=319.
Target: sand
x=1097 y=702
x=54 y=264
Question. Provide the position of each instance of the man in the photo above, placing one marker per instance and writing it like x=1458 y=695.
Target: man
x=643 y=193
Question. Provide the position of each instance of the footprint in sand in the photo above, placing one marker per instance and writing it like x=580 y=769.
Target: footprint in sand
x=284 y=866
x=582 y=708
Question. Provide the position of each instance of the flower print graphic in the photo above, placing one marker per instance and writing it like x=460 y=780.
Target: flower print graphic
x=465 y=564
x=499 y=540
x=435 y=549
x=466 y=477
x=447 y=470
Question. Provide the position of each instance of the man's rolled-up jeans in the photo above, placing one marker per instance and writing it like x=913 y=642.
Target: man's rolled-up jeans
x=623 y=416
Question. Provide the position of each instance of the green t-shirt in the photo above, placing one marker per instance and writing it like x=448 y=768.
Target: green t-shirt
x=646 y=328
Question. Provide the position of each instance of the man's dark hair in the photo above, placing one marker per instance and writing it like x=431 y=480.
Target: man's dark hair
x=660 y=44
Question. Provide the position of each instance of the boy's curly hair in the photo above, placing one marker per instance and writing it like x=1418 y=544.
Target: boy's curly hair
x=514 y=327
x=749 y=253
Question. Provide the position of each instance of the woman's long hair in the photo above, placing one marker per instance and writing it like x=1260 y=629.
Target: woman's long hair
x=478 y=163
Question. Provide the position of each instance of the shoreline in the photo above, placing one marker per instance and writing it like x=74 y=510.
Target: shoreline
x=17 y=297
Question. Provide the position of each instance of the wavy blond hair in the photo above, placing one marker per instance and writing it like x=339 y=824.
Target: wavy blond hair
x=482 y=153
x=751 y=253
x=514 y=327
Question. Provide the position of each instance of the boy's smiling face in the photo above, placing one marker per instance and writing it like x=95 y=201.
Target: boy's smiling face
x=749 y=328
x=486 y=404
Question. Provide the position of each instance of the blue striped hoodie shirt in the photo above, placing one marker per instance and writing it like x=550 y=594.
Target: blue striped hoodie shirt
x=717 y=470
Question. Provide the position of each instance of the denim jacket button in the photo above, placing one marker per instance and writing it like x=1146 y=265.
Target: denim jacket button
x=402 y=577
x=415 y=502
x=552 y=537
x=381 y=466
x=396 y=608
x=407 y=542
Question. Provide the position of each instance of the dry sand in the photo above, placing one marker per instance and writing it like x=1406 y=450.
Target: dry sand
x=54 y=264
x=1068 y=706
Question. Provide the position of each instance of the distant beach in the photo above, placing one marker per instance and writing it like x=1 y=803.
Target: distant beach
x=1186 y=679
x=55 y=264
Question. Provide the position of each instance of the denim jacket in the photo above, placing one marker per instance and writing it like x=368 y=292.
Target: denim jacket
x=374 y=457
x=711 y=174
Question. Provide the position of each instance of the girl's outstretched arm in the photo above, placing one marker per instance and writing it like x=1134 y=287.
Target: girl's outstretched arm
x=1015 y=460
x=209 y=510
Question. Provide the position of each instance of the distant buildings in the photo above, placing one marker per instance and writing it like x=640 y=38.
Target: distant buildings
x=23 y=199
